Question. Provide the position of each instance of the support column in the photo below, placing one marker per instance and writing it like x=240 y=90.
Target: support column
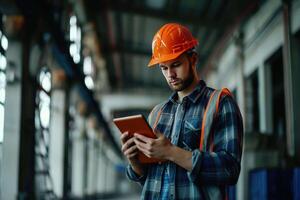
x=56 y=149
x=296 y=97
x=67 y=145
x=27 y=131
x=77 y=180
x=241 y=87
x=241 y=99
x=102 y=168
x=265 y=99
x=92 y=162
x=292 y=94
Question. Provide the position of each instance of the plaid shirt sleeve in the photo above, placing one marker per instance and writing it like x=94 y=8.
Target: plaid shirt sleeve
x=130 y=173
x=222 y=165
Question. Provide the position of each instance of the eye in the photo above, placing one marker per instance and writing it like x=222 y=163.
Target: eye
x=176 y=64
x=163 y=68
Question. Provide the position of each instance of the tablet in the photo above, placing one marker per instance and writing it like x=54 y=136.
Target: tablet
x=136 y=124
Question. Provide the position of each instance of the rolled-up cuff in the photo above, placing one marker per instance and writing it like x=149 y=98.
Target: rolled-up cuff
x=130 y=173
x=194 y=174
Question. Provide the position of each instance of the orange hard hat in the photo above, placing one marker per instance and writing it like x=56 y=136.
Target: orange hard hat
x=171 y=41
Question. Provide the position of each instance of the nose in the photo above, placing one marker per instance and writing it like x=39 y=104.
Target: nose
x=171 y=73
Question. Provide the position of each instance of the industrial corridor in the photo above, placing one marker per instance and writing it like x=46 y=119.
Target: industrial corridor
x=72 y=71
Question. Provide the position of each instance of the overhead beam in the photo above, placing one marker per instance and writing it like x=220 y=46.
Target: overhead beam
x=190 y=18
x=127 y=49
x=175 y=7
x=9 y=8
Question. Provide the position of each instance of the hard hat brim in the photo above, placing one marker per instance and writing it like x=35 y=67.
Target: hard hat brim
x=165 y=58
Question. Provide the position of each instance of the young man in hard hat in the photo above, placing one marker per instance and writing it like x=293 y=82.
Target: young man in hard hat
x=198 y=164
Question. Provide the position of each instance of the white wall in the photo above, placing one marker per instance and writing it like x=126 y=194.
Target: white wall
x=57 y=138
x=77 y=180
x=11 y=141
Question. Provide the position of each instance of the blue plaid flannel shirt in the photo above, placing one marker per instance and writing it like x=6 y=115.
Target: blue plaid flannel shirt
x=212 y=171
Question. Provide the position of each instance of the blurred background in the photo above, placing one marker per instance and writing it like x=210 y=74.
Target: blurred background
x=68 y=67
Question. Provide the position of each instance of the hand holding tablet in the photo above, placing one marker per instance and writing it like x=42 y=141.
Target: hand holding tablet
x=136 y=124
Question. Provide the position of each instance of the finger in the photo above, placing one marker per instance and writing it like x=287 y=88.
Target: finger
x=144 y=151
x=128 y=144
x=143 y=138
x=132 y=155
x=158 y=134
x=124 y=137
x=131 y=150
x=144 y=148
x=138 y=142
x=141 y=146
x=145 y=142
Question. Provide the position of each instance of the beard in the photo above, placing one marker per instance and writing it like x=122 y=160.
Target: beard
x=182 y=84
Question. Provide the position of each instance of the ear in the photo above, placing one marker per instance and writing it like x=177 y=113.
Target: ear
x=194 y=59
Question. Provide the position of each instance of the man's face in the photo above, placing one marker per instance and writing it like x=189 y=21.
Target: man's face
x=178 y=72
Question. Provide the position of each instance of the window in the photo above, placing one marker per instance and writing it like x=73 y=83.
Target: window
x=75 y=39
x=275 y=62
x=252 y=107
x=44 y=185
x=278 y=96
x=3 y=63
x=89 y=71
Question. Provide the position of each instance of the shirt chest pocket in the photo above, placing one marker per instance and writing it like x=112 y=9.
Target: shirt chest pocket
x=191 y=134
x=164 y=123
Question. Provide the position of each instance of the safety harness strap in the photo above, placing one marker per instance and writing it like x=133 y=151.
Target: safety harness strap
x=210 y=113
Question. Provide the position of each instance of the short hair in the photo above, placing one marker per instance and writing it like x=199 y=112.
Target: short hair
x=191 y=52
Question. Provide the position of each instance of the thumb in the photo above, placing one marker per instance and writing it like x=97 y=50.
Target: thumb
x=158 y=134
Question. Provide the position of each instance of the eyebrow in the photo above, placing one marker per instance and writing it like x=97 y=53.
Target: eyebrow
x=174 y=63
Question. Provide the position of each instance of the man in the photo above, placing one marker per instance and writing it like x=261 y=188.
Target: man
x=188 y=172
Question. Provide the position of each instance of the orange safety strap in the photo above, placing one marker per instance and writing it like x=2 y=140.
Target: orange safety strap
x=209 y=115
x=204 y=119
x=224 y=91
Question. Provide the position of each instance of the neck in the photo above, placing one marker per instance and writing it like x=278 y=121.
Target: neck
x=188 y=90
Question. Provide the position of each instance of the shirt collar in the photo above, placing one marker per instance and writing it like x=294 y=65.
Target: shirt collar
x=195 y=94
